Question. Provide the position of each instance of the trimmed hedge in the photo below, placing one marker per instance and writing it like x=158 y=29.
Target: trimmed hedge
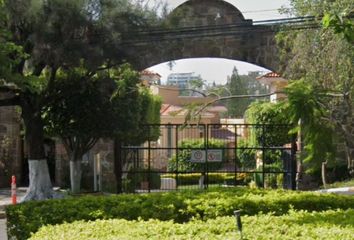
x=213 y=178
x=22 y=219
x=136 y=176
x=331 y=224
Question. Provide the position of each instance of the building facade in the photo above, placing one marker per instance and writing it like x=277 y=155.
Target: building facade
x=10 y=145
x=186 y=81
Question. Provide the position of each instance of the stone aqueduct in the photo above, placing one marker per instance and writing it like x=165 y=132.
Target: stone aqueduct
x=207 y=28
x=252 y=44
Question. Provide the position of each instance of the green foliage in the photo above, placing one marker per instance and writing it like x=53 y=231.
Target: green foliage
x=213 y=178
x=246 y=156
x=341 y=23
x=274 y=117
x=347 y=183
x=126 y=104
x=241 y=85
x=76 y=107
x=304 y=102
x=151 y=105
x=10 y=53
x=22 y=219
x=332 y=224
x=136 y=176
x=323 y=59
x=139 y=106
x=182 y=162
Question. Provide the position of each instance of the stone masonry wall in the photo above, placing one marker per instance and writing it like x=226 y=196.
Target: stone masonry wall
x=10 y=145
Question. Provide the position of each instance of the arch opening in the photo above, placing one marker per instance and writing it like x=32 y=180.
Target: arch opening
x=212 y=70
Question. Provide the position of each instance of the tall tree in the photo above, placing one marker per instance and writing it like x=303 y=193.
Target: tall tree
x=324 y=59
x=111 y=104
x=242 y=85
x=237 y=86
x=77 y=110
x=56 y=35
x=132 y=111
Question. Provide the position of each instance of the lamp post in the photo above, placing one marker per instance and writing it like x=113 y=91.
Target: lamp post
x=238 y=221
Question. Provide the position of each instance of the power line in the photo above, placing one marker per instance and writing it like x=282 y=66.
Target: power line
x=263 y=10
x=237 y=33
x=237 y=30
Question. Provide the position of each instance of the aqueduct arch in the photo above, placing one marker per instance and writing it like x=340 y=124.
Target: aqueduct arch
x=207 y=28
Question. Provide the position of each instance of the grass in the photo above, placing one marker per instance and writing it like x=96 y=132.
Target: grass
x=348 y=183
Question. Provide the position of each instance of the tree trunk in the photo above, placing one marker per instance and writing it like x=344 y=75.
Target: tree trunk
x=299 y=148
x=40 y=186
x=75 y=175
x=347 y=126
x=349 y=145
x=324 y=174
x=118 y=164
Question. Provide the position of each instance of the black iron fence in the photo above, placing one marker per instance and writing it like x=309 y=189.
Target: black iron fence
x=205 y=155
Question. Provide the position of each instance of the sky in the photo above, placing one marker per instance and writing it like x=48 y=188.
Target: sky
x=217 y=69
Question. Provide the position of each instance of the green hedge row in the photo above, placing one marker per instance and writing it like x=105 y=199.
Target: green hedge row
x=327 y=225
x=213 y=178
x=22 y=219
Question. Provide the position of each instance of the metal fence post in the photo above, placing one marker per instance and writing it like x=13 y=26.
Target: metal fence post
x=293 y=163
x=176 y=147
x=235 y=153
x=206 y=143
x=149 y=159
x=263 y=155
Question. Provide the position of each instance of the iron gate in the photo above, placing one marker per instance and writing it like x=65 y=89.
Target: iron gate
x=205 y=155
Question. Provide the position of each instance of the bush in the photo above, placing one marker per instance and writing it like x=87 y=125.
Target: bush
x=331 y=224
x=22 y=219
x=273 y=116
x=213 y=178
x=138 y=176
x=246 y=156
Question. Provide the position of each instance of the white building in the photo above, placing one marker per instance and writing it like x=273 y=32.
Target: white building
x=183 y=80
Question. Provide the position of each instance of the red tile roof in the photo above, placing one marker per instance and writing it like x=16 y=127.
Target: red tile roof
x=270 y=75
x=149 y=73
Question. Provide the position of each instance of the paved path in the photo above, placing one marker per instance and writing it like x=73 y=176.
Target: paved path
x=5 y=199
x=5 y=196
x=3 y=234
x=342 y=190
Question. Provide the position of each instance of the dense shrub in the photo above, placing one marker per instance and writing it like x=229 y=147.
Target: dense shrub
x=273 y=116
x=331 y=224
x=137 y=176
x=22 y=219
x=213 y=178
x=246 y=155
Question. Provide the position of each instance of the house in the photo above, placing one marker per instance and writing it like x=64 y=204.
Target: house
x=276 y=84
x=149 y=78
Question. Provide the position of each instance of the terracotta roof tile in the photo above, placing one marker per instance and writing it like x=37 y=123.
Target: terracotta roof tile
x=149 y=73
x=270 y=75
